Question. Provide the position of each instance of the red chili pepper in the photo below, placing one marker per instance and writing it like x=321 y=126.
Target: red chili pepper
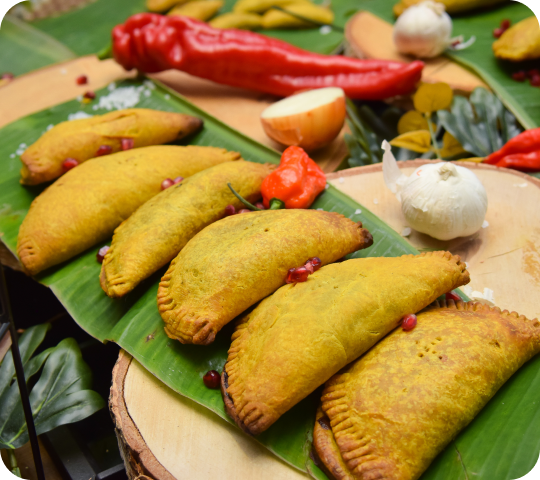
x=524 y=162
x=152 y=43
x=526 y=142
x=296 y=182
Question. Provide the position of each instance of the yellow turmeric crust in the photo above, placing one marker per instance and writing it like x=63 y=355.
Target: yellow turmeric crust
x=80 y=139
x=295 y=340
x=159 y=229
x=520 y=42
x=396 y=408
x=241 y=259
x=85 y=206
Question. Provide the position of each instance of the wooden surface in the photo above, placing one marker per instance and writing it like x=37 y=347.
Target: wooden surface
x=371 y=37
x=165 y=436
x=504 y=257
x=239 y=108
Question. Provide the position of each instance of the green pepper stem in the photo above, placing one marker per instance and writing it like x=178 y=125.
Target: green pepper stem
x=243 y=200
x=276 y=204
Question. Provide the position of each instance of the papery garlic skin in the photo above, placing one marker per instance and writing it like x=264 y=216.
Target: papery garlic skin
x=444 y=201
x=423 y=30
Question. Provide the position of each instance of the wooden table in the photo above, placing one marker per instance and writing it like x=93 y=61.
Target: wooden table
x=164 y=435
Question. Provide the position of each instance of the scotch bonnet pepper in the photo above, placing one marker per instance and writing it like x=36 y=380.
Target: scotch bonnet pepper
x=520 y=153
x=296 y=182
x=153 y=43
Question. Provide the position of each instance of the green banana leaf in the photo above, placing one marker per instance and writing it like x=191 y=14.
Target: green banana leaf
x=134 y=323
x=521 y=99
x=24 y=48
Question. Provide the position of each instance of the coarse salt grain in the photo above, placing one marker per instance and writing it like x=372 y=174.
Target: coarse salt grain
x=325 y=29
x=147 y=93
x=358 y=211
x=406 y=232
x=63 y=71
x=341 y=179
x=327 y=186
x=320 y=209
x=111 y=86
x=20 y=151
x=520 y=185
x=375 y=201
x=79 y=115
x=485 y=224
x=167 y=96
x=12 y=155
x=149 y=84
x=123 y=97
x=22 y=145
x=50 y=126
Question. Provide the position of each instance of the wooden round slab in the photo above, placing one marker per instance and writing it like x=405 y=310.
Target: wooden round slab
x=369 y=36
x=504 y=256
x=165 y=436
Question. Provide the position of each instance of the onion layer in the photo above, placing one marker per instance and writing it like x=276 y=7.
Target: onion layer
x=310 y=120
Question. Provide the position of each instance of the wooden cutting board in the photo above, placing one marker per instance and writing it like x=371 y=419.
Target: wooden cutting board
x=505 y=257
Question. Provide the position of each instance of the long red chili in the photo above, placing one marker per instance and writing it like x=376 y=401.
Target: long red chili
x=525 y=162
x=152 y=43
x=526 y=142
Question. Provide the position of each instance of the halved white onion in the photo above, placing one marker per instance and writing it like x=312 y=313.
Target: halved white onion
x=310 y=120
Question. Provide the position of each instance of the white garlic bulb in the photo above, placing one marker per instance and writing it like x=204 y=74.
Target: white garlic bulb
x=442 y=200
x=423 y=30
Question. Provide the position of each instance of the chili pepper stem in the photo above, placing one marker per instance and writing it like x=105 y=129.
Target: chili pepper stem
x=432 y=133
x=243 y=200
x=276 y=204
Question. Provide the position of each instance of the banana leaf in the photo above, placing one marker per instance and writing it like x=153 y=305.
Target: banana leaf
x=521 y=99
x=24 y=48
x=71 y=28
x=134 y=323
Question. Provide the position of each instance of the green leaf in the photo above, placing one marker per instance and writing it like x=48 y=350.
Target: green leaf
x=60 y=396
x=134 y=323
x=482 y=125
x=521 y=99
x=25 y=48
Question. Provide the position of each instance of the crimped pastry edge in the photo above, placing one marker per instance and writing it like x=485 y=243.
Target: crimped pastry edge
x=244 y=320
x=206 y=331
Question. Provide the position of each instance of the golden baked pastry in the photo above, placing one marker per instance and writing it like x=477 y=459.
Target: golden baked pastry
x=158 y=230
x=451 y=6
x=81 y=139
x=389 y=414
x=520 y=42
x=85 y=206
x=299 y=337
x=239 y=260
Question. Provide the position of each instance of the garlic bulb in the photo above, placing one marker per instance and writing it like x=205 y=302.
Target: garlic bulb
x=441 y=199
x=423 y=30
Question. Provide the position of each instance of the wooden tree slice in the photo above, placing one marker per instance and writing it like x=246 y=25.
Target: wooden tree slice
x=505 y=256
x=371 y=37
x=164 y=436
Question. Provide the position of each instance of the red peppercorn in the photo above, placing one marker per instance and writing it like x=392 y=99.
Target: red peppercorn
x=498 y=32
x=520 y=76
x=409 y=322
x=127 y=143
x=178 y=180
x=535 y=81
x=69 y=163
x=453 y=296
x=260 y=205
x=533 y=73
x=211 y=379
x=296 y=275
x=8 y=76
x=316 y=262
x=167 y=183
x=89 y=95
x=103 y=150
x=101 y=253
x=505 y=24
x=244 y=210
x=82 y=80
x=230 y=210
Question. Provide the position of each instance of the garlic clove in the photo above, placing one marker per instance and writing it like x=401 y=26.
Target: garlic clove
x=423 y=30
x=393 y=178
